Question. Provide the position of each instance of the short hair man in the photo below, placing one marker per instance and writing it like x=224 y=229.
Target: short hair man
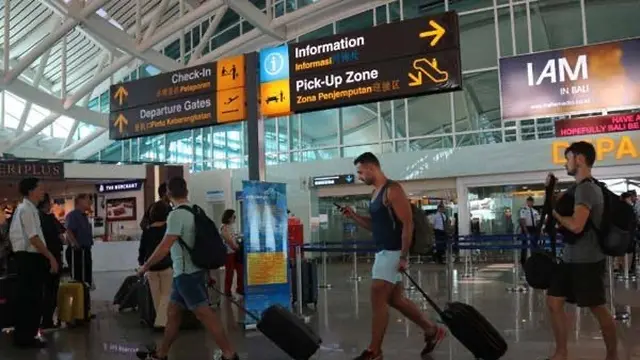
x=31 y=257
x=80 y=236
x=529 y=218
x=188 y=287
x=162 y=194
x=580 y=278
x=393 y=235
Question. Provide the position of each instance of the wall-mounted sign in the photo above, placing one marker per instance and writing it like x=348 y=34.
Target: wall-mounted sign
x=133 y=185
x=332 y=180
x=362 y=66
x=580 y=79
x=598 y=125
x=214 y=195
x=15 y=169
x=203 y=95
x=620 y=148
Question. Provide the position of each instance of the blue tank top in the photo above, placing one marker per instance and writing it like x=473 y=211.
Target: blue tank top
x=385 y=234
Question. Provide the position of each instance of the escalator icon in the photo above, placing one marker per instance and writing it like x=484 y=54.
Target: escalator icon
x=428 y=68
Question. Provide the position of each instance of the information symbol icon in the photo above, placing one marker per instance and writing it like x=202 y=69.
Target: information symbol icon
x=273 y=63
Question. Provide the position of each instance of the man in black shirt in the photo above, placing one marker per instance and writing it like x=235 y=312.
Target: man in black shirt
x=162 y=193
x=53 y=233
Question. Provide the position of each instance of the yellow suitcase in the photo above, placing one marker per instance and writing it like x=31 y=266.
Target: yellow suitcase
x=71 y=302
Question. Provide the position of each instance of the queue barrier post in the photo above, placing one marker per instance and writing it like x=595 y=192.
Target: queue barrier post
x=622 y=315
x=468 y=263
x=299 y=300
x=516 y=285
x=354 y=271
x=626 y=275
x=324 y=284
x=450 y=270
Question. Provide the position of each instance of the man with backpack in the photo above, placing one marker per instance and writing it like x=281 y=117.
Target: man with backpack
x=189 y=290
x=391 y=223
x=579 y=278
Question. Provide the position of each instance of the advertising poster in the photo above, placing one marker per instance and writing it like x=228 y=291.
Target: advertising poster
x=580 y=79
x=598 y=125
x=265 y=238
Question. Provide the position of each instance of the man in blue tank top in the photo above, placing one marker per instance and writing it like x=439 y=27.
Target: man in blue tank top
x=390 y=221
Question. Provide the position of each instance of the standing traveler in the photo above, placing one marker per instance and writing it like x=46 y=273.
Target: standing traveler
x=529 y=219
x=390 y=221
x=188 y=289
x=159 y=275
x=162 y=194
x=53 y=233
x=232 y=265
x=580 y=277
x=33 y=262
x=441 y=223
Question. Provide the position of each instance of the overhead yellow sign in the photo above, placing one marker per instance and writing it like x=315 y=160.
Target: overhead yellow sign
x=121 y=123
x=428 y=68
x=231 y=105
x=275 y=98
x=230 y=73
x=436 y=32
x=120 y=95
x=621 y=148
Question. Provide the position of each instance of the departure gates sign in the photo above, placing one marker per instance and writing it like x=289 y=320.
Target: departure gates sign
x=198 y=96
x=404 y=59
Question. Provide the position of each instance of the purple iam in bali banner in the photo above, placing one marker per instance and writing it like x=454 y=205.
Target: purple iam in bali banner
x=573 y=80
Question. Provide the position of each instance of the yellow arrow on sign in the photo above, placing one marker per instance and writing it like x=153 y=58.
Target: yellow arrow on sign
x=437 y=33
x=121 y=122
x=120 y=95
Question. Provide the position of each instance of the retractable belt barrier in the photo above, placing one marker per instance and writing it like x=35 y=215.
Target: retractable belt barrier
x=470 y=244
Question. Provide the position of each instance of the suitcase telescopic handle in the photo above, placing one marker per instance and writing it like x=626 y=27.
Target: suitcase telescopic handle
x=429 y=300
x=234 y=302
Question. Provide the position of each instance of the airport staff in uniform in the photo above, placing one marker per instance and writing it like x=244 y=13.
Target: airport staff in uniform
x=440 y=224
x=529 y=219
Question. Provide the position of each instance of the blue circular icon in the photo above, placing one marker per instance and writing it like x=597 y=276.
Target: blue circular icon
x=273 y=63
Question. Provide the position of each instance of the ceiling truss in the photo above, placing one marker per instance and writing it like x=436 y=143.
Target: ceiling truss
x=58 y=53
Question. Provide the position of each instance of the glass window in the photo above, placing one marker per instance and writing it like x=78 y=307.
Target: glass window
x=152 y=148
x=555 y=24
x=520 y=28
x=417 y=8
x=429 y=115
x=477 y=106
x=283 y=130
x=461 y=6
x=357 y=22
x=381 y=15
x=355 y=151
x=394 y=11
x=135 y=150
x=173 y=50
x=319 y=128
x=475 y=29
x=113 y=152
x=294 y=132
x=600 y=12
x=480 y=138
x=270 y=141
x=318 y=33
x=359 y=124
x=230 y=18
x=224 y=37
x=440 y=142
x=180 y=147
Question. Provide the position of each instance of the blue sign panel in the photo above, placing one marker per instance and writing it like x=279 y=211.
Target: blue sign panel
x=274 y=64
x=133 y=185
x=264 y=222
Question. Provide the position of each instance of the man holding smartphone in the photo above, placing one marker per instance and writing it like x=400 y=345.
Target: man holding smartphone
x=390 y=221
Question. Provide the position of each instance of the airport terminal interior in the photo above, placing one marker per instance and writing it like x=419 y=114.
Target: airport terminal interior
x=467 y=104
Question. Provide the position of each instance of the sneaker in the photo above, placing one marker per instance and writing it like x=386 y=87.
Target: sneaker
x=218 y=356
x=432 y=342
x=148 y=355
x=368 y=355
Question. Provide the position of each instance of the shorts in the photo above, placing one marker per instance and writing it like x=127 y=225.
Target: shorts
x=189 y=291
x=580 y=283
x=385 y=266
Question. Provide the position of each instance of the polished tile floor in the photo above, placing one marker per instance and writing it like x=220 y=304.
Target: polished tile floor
x=342 y=319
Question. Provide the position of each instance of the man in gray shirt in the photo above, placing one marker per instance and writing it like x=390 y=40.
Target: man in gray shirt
x=580 y=277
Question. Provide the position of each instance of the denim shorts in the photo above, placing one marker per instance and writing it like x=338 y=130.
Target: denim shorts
x=189 y=290
x=385 y=266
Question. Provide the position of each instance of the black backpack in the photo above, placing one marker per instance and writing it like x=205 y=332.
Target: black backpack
x=209 y=251
x=619 y=222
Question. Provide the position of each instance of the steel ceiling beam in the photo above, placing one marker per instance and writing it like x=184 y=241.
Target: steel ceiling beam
x=36 y=82
x=50 y=40
x=24 y=136
x=80 y=143
x=206 y=37
x=257 y=18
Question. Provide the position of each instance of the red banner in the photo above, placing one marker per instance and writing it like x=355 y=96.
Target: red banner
x=598 y=125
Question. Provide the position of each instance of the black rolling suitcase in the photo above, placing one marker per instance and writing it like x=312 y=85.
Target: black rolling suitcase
x=148 y=312
x=287 y=331
x=472 y=329
x=309 y=282
x=126 y=297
